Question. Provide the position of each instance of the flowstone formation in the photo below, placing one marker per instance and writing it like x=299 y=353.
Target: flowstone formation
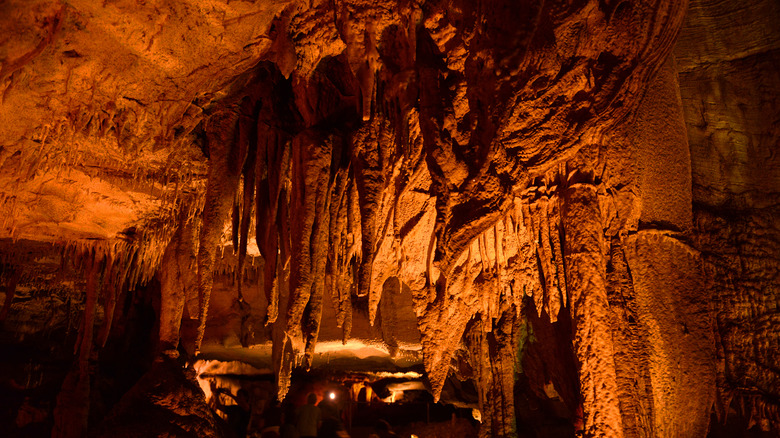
x=528 y=191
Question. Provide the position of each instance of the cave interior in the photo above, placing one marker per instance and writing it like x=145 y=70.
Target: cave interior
x=452 y=218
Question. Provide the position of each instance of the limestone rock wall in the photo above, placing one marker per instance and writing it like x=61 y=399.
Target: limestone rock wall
x=727 y=58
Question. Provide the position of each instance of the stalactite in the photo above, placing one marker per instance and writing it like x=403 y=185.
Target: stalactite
x=631 y=358
x=555 y=229
x=385 y=264
x=124 y=259
x=248 y=128
x=272 y=169
x=366 y=75
x=515 y=279
x=355 y=253
x=474 y=250
x=415 y=218
x=309 y=199
x=235 y=220
x=247 y=205
x=224 y=141
x=370 y=164
x=320 y=234
x=444 y=320
x=541 y=257
x=488 y=261
x=340 y=280
x=109 y=293
x=284 y=225
x=173 y=286
x=552 y=295
x=93 y=273
x=532 y=287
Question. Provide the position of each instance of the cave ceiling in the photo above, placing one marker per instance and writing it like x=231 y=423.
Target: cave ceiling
x=309 y=177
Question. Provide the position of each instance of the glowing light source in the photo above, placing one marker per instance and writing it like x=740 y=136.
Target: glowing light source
x=332 y=395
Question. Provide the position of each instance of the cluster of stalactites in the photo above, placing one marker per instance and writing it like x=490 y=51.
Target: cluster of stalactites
x=334 y=226
x=109 y=269
x=113 y=267
x=405 y=159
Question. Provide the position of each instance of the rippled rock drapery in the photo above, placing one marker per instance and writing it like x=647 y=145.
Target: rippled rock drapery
x=480 y=159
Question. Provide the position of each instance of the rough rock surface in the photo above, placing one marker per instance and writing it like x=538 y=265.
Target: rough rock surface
x=730 y=96
x=455 y=183
x=166 y=401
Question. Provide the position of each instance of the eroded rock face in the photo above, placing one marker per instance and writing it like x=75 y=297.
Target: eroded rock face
x=730 y=97
x=438 y=175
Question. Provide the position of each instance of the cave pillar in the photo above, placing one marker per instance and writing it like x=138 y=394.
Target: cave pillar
x=661 y=154
x=674 y=314
x=586 y=280
x=672 y=310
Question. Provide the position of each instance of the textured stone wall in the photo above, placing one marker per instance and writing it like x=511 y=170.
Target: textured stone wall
x=727 y=59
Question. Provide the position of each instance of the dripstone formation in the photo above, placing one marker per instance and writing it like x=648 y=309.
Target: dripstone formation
x=572 y=205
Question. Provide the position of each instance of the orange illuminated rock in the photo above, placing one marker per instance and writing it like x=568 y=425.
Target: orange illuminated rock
x=445 y=183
